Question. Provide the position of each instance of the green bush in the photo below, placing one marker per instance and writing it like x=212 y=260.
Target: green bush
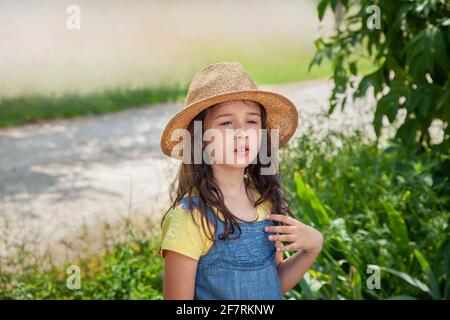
x=374 y=207
x=410 y=51
x=131 y=270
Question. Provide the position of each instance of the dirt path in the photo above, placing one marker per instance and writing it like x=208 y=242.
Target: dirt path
x=57 y=175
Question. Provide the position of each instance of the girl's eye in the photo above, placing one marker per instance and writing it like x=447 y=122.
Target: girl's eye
x=225 y=123
x=253 y=121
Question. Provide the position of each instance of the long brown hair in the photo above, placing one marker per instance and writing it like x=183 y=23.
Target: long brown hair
x=198 y=178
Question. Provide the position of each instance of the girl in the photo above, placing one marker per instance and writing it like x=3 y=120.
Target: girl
x=222 y=235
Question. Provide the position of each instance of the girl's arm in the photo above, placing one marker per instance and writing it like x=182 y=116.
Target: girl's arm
x=179 y=276
x=293 y=269
x=300 y=237
x=278 y=254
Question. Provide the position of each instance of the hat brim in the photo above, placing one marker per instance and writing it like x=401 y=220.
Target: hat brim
x=281 y=114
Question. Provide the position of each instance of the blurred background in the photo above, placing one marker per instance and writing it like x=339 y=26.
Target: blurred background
x=84 y=184
x=122 y=44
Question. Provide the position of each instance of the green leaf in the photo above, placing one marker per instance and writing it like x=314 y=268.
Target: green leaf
x=353 y=68
x=317 y=59
x=321 y=7
x=356 y=284
x=444 y=100
x=417 y=58
x=388 y=105
x=429 y=273
x=406 y=277
x=426 y=51
x=397 y=227
x=310 y=203
x=378 y=122
x=438 y=47
x=408 y=131
x=419 y=100
x=333 y=4
x=306 y=290
x=333 y=102
x=371 y=80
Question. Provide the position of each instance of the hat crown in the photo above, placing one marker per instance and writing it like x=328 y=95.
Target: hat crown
x=219 y=78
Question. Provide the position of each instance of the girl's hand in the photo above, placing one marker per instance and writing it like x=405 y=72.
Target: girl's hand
x=300 y=235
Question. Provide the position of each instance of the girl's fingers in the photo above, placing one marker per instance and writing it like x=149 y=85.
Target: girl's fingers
x=282 y=237
x=278 y=245
x=282 y=218
x=280 y=229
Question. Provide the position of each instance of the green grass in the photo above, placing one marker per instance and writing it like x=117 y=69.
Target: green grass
x=125 y=264
x=284 y=69
x=282 y=64
x=131 y=270
x=374 y=207
x=35 y=107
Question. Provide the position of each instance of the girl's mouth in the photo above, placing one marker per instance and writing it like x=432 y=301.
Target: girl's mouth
x=241 y=151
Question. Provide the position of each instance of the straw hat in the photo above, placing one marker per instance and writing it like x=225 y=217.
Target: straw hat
x=225 y=81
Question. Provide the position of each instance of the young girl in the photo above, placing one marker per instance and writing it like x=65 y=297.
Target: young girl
x=222 y=236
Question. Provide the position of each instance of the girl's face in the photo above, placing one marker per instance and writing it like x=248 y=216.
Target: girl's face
x=236 y=138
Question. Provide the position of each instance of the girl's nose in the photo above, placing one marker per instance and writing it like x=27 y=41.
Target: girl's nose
x=240 y=133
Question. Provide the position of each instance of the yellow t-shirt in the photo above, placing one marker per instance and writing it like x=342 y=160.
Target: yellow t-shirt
x=181 y=234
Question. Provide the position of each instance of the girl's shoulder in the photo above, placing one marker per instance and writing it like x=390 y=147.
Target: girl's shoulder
x=185 y=210
x=182 y=232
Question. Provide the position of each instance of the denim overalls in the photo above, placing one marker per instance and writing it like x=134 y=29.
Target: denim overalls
x=244 y=268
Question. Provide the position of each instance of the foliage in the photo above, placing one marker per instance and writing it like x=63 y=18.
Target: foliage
x=132 y=270
x=411 y=54
x=376 y=209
